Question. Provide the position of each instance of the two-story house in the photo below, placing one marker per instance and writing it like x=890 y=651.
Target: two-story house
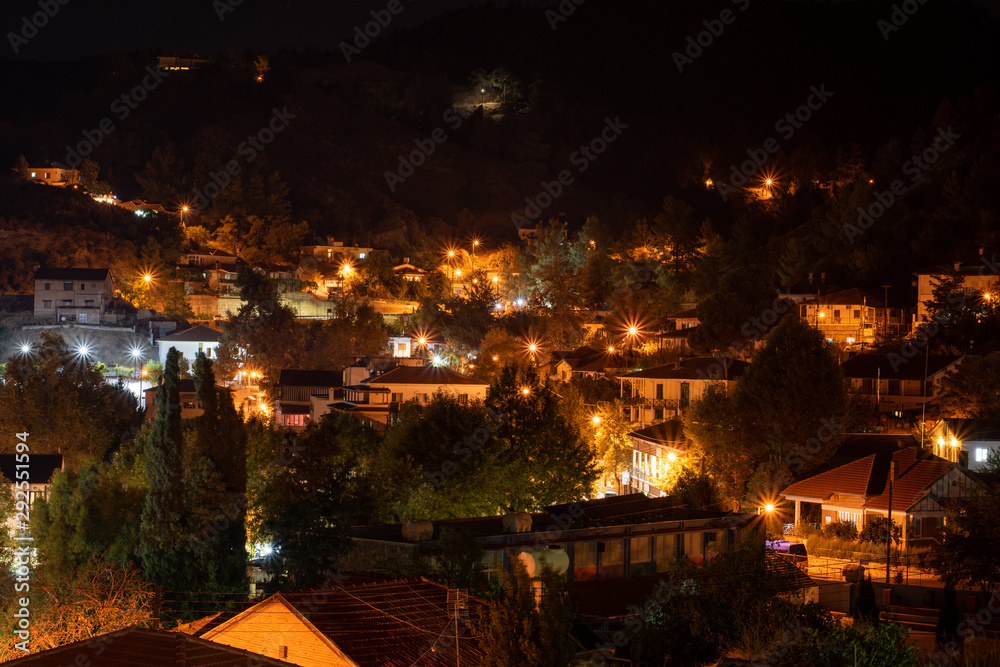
x=897 y=383
x=675 y=339
x=967 y=442
x=663 y=392
x=302 y=396
x=655 y=449
x=978 y=273
x=84 y=296
x=852 y=317
x=378 y=399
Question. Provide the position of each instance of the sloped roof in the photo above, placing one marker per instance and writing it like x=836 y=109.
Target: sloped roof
x=385 y=624
x=150 y=648
x=697 y=368
x=586 y=359
x=297 y=378
x=670 y=433
x=91 y=275
x=849 y=297
x=896 y=366
x=868 y=478
x=689 y=314
x=41 y=467
x=197 y=334
x=430 y=375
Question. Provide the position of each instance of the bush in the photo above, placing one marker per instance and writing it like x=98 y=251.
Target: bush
x=841 y=530
x=875 y=531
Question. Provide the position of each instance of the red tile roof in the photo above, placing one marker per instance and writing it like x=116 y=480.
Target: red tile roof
x=150 y=648
x=391 y=623
x=868 y=477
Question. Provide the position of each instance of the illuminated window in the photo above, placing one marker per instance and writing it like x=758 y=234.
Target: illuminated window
x=982 y=454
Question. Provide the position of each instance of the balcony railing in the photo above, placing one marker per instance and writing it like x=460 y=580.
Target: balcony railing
x=669 y=403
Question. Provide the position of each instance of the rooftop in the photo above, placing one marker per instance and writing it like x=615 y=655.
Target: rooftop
x=896 y=366
x=150 y=648
x=91 y=275
x=697 y=368
x=431 y=375
x=196 y=334
x=868 y=477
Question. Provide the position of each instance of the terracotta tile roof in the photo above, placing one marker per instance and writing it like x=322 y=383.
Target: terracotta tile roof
x=697 y=368
x=390 y=623
x=150 y=648
x=431 y=375
x=868 y=477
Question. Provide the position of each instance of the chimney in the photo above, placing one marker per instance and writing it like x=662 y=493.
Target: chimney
x=406 y=260
x=958 y=266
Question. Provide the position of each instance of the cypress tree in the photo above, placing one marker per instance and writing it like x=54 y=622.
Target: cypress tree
x=161 y=530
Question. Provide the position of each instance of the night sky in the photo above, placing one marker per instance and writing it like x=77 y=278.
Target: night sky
x=84 y=28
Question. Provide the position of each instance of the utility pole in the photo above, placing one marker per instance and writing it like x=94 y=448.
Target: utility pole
x=888 y=528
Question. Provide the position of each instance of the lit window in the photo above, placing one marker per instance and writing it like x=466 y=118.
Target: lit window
x=849 y=340
x=982 y=453
x=362 y=255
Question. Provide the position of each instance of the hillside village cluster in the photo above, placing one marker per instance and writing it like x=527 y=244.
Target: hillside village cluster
x=609 y=546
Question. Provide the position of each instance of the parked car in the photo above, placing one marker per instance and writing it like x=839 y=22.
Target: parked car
x=793 y=552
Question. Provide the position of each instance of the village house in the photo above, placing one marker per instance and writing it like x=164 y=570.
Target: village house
x=895 y=383
x=35 y=469
x=55 y=176
x=379 y=399
x=190 y=342
x=585 y=362
x=853 y=317
x=368 y=623
x=979 y=279
x=667 y=391
x=82 y=296
x=410 y=273
x=191 y=407
x=655 y=449
x=301 y=396
x=967 y=442
x=857 y=491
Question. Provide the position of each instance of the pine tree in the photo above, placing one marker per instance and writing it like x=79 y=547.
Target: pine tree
x=161 y=532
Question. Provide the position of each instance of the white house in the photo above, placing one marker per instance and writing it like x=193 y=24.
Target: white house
x=190 y=342
x=379 y=398
x=667 y=391
x=967 y=442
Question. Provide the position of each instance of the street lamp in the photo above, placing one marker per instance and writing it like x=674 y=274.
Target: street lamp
x=482 y=92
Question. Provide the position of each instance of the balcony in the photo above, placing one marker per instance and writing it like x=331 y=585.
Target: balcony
x=666 y=403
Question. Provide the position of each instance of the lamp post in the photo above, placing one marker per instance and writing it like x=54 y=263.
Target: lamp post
x=482 y=92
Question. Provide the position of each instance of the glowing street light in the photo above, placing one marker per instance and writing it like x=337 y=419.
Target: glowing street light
x=596 y=419
x=83 y=351
x=525 y=391
x=437 y=360
x=147 y=278
x=769 y=508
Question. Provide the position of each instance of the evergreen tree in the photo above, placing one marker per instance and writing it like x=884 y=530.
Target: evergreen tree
x=161 y=548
